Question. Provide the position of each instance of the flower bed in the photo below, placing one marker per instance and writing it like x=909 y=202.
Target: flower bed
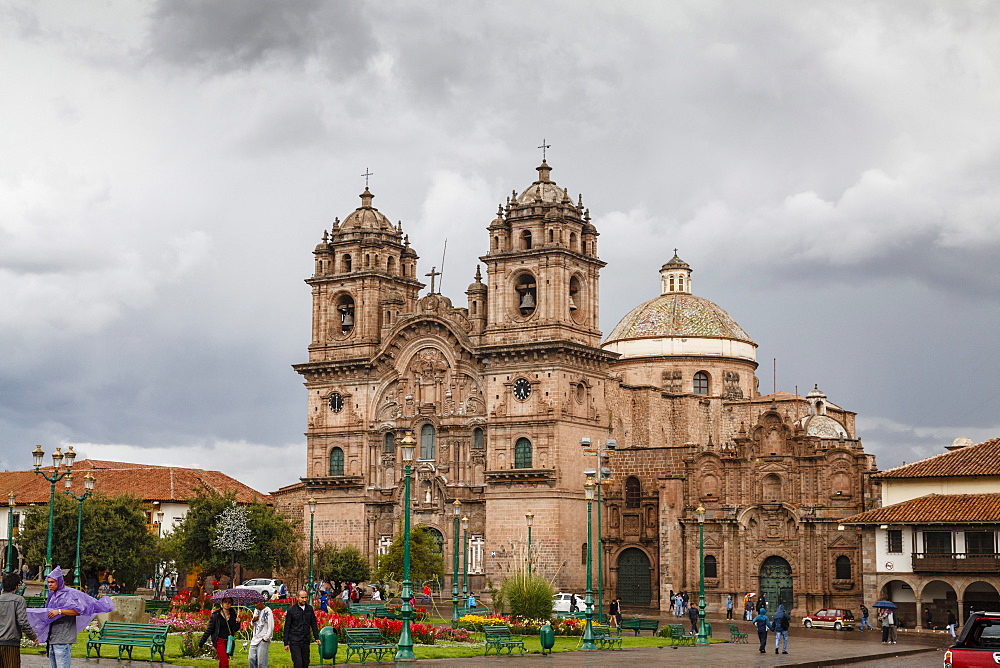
x=561 y=627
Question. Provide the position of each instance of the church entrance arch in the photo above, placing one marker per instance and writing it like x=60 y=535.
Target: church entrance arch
x=776 y=583
x=634 y=577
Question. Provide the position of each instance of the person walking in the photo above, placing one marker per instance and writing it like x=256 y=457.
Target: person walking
x=300 y=627
x=263 y=630
x=952 y=622
x=928 y=623
x=572 y=603
x=616 y=612
x=693 y=618
x=781 y=623
x=729 y=606
x=67 y=611
x=865 y=624
x=13 y=622
x=762 y=624
x=222 y=625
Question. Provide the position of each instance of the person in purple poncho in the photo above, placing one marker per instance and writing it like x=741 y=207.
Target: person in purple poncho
x=66 y=613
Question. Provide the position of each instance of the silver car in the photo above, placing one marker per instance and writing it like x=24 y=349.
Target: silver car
x=266 y=586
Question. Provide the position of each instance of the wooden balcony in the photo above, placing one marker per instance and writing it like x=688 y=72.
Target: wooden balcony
x=955 y=562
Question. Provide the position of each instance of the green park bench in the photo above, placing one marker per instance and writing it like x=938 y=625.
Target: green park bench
x=20 y=590
x=365 y=642
x=595 y=618
x=35 y=601
x=605 y=636
x=736 y=635
x=638 y=624
x=499 y=638
x=156 y=608
x=678 y=636
x=128 y=636
x=480 y=610
x=367 y=609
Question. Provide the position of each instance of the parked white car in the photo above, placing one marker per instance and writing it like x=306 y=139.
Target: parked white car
x=266 y=586
x=561 y=602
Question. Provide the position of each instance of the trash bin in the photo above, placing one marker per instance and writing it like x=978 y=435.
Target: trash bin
x=547 y=637
x=708 y=630
x=327 y=644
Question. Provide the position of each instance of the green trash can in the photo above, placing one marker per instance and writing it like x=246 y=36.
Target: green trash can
x=547 y=638
x=327 y=644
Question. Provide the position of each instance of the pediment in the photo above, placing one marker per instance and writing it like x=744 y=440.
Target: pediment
x=841 y=541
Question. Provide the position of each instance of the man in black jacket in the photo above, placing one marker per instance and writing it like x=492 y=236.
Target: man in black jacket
x=300 y=628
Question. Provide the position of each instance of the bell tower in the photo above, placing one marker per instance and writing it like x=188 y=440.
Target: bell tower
x=364 y=279
x=542 y=268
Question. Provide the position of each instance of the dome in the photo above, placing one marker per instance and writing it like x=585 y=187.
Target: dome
x=824 y=426
x=679 y=323
x=367 y=217
x=544 y=189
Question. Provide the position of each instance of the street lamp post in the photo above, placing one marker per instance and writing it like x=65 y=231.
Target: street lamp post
x=57 y=475
x=456 y=508
x=10 y=531
x=159 y=534
x=702 y=634
x=88 y=484
x=588 y=630
x=603 y=473
x=404 y=647
x=312 y=524
x=465 y=560
x=529 y=517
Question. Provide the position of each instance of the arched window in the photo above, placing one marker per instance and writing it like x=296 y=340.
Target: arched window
x=345 y=307
x=522 y=454
x=701 y=383
x=390 y=265
x=526 y=293
x=478 y=438
x=843 y=568
x=572 y=241
x=583 y=554
x=427 y=442
x=336 y=462
x=633 y=492
x=438 y=538
x=389 y=443
x=526 y=240
x=711 y=566
x=345 y=263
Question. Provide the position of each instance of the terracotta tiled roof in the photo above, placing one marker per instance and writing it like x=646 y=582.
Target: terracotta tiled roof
x=147 y=482
x=980 y=459
x=935 y=509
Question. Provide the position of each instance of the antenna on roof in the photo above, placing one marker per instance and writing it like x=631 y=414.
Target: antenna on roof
x=774 y=375
x=443 y=253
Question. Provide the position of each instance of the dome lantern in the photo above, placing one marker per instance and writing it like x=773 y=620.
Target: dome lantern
x=675 y=276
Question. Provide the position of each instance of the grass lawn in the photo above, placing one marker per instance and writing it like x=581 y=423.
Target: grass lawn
x=279 y=657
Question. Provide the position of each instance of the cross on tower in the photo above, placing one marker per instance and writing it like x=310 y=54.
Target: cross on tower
x=544 y=146
x=366 y=175
x=433 y=274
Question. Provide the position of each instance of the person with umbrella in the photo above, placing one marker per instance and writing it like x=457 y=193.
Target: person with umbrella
x=887 y=619
x=222 y=626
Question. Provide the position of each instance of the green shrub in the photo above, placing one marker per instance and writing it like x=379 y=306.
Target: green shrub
x=527 y=596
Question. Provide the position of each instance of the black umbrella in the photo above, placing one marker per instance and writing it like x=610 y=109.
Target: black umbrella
x=884 y=604
x=244 y=597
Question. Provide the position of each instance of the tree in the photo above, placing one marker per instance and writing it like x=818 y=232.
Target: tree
x=342 y=564
x=232 y=534
x=194 y=538
x=426 y=561
x=114 y=537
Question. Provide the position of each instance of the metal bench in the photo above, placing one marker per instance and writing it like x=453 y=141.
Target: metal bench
x=678 y=636
x=367 y=609
x=736 y=635
x=480 y=610
x=127 y=636
x=605 y=636
x=639 y=624
x=364 y=642
x=157 y=607
x=500 y=638
x=35 y=601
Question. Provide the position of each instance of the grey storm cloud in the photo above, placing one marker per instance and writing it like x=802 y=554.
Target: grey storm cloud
x=827 y=168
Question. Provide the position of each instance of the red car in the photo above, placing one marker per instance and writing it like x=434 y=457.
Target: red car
x=835 y=618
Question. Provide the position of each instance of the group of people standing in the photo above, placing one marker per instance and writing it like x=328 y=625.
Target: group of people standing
x=779 y=623
x=301 y=630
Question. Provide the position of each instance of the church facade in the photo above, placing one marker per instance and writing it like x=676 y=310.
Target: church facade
x=501 y=392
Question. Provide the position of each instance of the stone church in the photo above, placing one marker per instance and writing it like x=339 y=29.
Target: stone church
x=500 y=392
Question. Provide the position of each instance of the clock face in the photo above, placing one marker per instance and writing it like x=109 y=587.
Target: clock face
x=522 y=389
x=336 y=402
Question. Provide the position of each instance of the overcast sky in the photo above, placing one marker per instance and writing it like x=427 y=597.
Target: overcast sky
x=829 y=169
